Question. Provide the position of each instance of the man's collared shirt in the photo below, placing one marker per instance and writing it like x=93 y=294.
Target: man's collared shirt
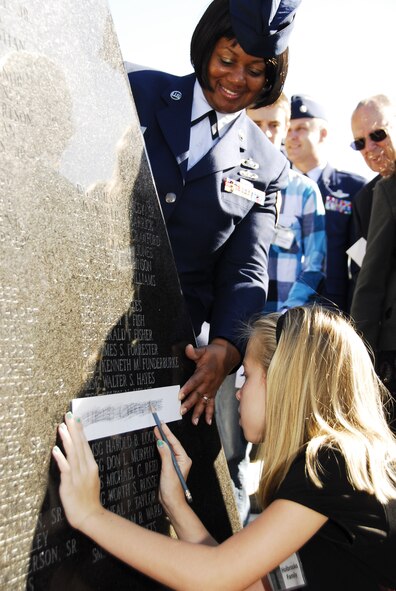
x=314 y=173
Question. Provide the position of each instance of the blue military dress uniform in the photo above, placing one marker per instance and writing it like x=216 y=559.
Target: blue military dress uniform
x=220 y=238
x=338 y=189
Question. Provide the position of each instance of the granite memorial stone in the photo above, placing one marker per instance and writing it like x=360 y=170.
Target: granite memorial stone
x=90 y=300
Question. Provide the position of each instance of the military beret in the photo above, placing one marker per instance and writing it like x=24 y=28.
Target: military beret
x=263 y=27
x=303 y=105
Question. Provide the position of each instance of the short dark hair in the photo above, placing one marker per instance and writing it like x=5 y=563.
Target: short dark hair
x=216 y=23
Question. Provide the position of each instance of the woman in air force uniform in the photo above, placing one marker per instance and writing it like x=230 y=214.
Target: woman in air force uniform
x=217 y=176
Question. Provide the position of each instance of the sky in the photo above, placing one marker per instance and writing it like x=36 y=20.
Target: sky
x=341 y=51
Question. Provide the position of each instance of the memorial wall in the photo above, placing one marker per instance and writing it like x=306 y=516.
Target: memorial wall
x=90 y=300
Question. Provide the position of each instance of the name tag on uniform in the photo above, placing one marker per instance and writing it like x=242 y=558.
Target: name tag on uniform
x=283 y=237
x=288 y=575
x=245 y=189
x=334 y=203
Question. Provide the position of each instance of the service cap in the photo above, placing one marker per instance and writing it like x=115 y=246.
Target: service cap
x=263 y=27
x=303 y=105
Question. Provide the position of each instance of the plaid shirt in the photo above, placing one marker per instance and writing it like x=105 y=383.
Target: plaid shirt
x=295 y=273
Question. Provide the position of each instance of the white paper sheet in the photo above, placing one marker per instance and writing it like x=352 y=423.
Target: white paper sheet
x=357 y=251
x=112 y=414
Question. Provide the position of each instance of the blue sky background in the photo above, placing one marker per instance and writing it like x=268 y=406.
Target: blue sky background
x=341 y=51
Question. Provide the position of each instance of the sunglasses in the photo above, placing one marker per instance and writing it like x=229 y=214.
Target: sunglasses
x=376 y=136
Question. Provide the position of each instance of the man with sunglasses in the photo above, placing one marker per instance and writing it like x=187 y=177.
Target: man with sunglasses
x=374 y=299
x=373 y=122
x=306 y=148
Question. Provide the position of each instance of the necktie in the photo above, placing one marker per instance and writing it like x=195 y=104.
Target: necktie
x=212 y=120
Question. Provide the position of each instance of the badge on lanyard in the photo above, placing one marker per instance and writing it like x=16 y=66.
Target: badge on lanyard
x=245 y=189
x=288 y=575
x=283 y=237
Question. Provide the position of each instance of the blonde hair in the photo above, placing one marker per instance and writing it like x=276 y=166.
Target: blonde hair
x=322 y=390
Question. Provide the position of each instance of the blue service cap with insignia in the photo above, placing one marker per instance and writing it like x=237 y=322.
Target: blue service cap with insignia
x=303 y=105
x=263 y=27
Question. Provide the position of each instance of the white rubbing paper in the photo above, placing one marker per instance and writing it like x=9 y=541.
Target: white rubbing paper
x=112 y=414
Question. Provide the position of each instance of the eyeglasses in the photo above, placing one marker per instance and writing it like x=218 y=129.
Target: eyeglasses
x=376 y=136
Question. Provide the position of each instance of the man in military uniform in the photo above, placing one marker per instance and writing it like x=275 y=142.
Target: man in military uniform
x=306 y=148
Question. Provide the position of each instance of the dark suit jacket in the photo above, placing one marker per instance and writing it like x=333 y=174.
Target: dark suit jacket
x=361 y=209
x=220 y=240
x=338 y=189
x=374 y=300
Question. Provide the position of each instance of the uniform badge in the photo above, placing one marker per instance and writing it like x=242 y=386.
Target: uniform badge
x=249 y=163
x=334 y=203
x=248 y=174
x=176 y=95
x=244 y=189
x=340 y=194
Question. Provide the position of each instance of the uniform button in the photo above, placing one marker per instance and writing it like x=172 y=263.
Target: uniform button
x=170 y=197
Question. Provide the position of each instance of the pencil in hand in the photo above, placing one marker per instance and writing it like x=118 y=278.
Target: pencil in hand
x=176 y=465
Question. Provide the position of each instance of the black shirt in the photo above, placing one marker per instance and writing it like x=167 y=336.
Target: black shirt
x=356 y=548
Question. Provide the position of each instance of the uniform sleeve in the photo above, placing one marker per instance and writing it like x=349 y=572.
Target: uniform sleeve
x=241 y=276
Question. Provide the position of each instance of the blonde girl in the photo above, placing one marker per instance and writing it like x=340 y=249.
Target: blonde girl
x=328 y=487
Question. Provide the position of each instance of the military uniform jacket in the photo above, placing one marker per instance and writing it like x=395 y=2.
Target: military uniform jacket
x=338 y=189
x=220 y=239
